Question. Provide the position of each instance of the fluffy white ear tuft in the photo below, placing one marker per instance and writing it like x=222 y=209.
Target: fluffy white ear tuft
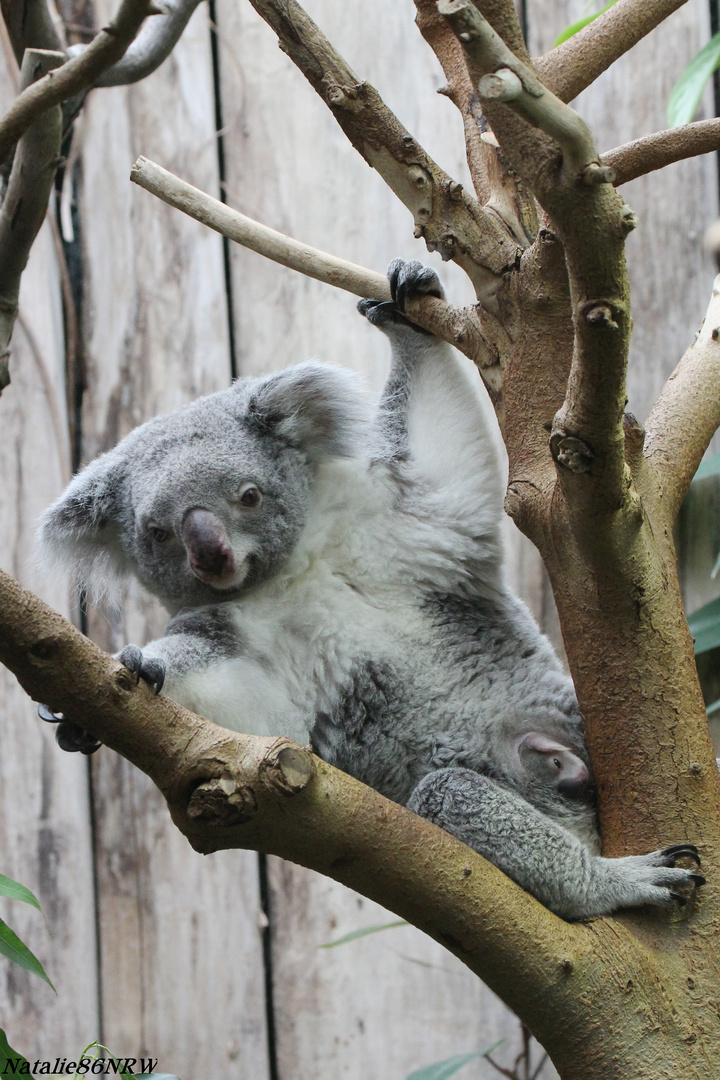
x=318 y=408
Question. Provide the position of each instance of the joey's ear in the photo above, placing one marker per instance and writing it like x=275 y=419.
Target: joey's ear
x=81 y=530
x=317 y=408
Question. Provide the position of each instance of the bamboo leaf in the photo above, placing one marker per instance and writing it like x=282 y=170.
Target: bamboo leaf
x=441 y=1070
x=363 y=932
x=687 y=91
x=714 y=708
x=580 y=24
x=15 y=891
x=705 y=626
x=13 y=948
x=10 y=1061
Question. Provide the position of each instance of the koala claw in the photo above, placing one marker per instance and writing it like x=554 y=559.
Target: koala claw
x=408 y=279
x=678 y=851
x=698 y=879
x=679 y=898
x=69 y=737
x=150 y=669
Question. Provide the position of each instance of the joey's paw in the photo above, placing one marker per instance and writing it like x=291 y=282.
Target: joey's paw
x=411 y=279
x=69 y=736
x=150 y=669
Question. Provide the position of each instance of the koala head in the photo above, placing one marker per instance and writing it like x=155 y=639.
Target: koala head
x=551 y=764
x=204 y=503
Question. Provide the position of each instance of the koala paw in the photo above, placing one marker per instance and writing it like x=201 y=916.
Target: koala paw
x=660 y=881
x=69 y=736
x=150 y=669
x=407 y=280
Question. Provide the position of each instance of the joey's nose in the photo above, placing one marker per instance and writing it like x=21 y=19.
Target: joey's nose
x=209 y=552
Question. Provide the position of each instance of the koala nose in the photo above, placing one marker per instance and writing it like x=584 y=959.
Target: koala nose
x=209 y=552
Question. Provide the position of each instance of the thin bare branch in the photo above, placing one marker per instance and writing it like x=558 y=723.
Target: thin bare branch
x=26 y=200
x=687 y=413
x=74 y=76
x=662 y=148
x=449 y=219
x=156 y=40
x=503 y=17
x=458 y=326
x=576 y=63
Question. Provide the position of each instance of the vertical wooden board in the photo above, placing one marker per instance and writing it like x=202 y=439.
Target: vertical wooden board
x=360 y=1010
x=182 y=974
x=44 y=810
x=383 y=1005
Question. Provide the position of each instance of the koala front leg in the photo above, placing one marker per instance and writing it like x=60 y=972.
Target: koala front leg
x=544 y=857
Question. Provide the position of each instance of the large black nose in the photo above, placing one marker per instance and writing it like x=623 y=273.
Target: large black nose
x=209 y=552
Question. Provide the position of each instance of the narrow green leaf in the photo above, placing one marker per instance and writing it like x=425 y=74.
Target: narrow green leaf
x=361 y=933
x=156 y=1076
x=705 y=627
x=709 y=467
x=714 y=708
x=580 y=24
x=12 y=947
x=9 y=1057
x=15 y=891
x=715 y=569
x=687 y=91
x=442 y=1069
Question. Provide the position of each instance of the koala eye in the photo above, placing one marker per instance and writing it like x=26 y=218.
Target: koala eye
x=160 y=536
x=556 y=761
x=250 y=496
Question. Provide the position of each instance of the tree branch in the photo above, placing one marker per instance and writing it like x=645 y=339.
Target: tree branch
x=449 y=219
x=26 y=199
x=587 y=439
x=572 y=66
x=459 y=326
x=687 y=413
x=154 y=43
x=29 y=26
x=74 y=76
x=662 y=148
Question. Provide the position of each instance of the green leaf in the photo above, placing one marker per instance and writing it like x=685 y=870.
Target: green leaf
x=15 y=891
x=9 y=1056
x=709 y=467
x=687 y=91
x=705 y=627
x=12 y=947
x=714 y=708
x=442 y=1069
x=715 y=569
x=580 y=24
x=362 y=932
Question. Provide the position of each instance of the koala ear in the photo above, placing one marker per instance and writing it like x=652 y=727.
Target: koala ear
x=81 y=530
x=315 y=407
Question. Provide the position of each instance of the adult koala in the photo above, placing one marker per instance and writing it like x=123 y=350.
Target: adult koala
x=334 y=573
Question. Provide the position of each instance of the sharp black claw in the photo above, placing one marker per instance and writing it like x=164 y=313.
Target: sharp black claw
x=74 y=739
x=678 y=851
x=45 y=713
x=698 y=879
x=680 y=900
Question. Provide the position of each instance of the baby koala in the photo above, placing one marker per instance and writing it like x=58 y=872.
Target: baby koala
x=334 y=573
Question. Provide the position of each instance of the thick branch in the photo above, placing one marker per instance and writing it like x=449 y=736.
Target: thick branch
x=687 y=413
x=74 y=76
x=662 y=148
x=26 y=199
x=576 y=63
x=449 y=219
x=552 y=148
x=156 y=40
x=458 y=326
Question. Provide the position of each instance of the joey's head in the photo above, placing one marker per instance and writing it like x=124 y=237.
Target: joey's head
x=550 y=764
x=204 y=503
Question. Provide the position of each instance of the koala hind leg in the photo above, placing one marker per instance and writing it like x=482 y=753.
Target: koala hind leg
x=544 y=857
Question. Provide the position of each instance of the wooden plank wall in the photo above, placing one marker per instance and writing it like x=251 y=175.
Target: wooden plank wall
x=179 y=937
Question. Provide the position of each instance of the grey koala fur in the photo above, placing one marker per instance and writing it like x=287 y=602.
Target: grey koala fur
x=335 y=573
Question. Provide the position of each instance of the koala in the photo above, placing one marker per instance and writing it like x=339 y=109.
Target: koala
x=334 y=573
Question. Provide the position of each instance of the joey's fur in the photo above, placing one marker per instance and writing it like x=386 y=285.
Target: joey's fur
x=334 y=573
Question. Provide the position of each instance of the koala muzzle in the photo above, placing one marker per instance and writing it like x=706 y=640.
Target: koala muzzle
x=210 y=554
